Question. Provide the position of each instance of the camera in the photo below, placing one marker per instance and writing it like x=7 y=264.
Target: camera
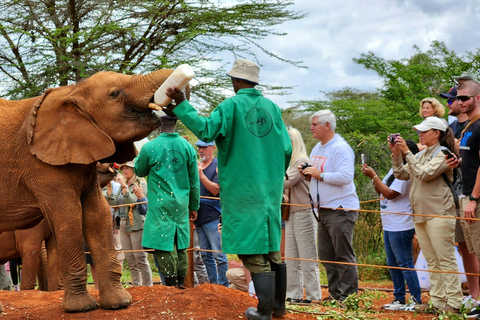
x=305 y=166
x=393 y=136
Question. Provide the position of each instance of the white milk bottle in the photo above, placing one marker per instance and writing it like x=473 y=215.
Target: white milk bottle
x=179 y=78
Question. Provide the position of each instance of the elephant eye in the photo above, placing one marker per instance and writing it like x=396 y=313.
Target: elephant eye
x=115 y=93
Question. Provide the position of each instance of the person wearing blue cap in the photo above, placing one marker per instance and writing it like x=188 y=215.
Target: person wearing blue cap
x=461 y=119
x=173 y=196
x=208 y=216
x=254 y=151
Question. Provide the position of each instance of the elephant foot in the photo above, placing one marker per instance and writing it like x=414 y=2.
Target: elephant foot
x=1 y=307
x=79 y=302
x=115 y=297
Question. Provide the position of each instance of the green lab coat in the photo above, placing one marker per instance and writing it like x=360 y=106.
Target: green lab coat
x=173 y=190
x=254 y=152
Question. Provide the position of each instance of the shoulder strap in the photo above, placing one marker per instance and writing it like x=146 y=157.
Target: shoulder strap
x=434 y=152
x=468 y=125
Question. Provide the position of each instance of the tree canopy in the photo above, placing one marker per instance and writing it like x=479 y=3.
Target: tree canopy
x=425 y=74
x=49 y=43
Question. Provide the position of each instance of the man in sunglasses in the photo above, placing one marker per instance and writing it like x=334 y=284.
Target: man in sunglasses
x=469 y=260
x=454 y=110
x=468 y=98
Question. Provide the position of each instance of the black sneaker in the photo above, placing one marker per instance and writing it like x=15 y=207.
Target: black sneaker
x=474 y=313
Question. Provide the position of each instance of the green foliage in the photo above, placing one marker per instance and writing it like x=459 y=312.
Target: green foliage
x=425 y=74
x=49 y=43
x=358 y=110
x=355 y=306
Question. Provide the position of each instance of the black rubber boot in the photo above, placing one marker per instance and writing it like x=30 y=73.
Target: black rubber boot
x=171 y=281
x=181 y=282
x=279 y=308
x=265 y=290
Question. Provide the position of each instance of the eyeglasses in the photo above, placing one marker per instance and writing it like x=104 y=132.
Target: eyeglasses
x=450 y=101
x=465 y=98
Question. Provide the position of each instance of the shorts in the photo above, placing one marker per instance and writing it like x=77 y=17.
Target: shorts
x=471 y=231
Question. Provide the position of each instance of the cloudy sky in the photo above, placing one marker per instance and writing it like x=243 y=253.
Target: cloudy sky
x=335 y=32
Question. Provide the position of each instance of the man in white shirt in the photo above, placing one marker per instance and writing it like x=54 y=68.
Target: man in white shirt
x=331 y=187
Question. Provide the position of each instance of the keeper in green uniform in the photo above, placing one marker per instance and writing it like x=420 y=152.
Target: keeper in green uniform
x=174 y=191
x=254 y=152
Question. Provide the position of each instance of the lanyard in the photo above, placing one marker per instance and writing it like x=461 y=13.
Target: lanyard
x=317 y=217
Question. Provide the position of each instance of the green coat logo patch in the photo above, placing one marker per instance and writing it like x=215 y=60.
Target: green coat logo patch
x=259 y=122
x=174 y=161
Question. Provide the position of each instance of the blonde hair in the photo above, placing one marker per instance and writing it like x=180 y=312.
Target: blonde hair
x=437 y=106
x=298 y=146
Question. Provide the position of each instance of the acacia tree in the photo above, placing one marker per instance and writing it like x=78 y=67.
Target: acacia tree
x=49 y=43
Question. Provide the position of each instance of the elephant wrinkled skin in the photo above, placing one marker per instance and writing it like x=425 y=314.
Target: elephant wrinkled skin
x=49 y=150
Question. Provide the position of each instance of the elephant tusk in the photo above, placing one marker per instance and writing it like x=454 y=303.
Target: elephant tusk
x=154 y=106
x=111 y=170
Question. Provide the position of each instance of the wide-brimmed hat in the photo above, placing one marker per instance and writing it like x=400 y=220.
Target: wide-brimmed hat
x=245 y=69
x=431 y=123
x=451 y=94
x=201 y=143
x=130 y=164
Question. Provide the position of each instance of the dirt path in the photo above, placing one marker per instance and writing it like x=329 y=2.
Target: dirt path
x=159 y=302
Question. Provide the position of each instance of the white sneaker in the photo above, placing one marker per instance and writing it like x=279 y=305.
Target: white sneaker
x=394 y=305
x=469 y=303
x=412 y=305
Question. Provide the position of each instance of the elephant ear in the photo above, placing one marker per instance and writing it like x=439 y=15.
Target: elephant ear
x=59 y=132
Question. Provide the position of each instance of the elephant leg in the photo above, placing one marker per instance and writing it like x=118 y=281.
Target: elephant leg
x=42 y=269
x=30 y=262
x=98 y=234
x=67 y=227
x=54 y=266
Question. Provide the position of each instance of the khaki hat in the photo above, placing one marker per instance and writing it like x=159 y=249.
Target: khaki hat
x=245 y=69
x=431 y=123
x=467 y=76
x=130 y=164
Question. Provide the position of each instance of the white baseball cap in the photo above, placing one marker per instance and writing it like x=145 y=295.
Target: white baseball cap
x=431 y=123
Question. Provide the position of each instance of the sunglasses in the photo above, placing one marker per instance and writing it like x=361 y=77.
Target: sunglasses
x=465 y=98
x=450 y=101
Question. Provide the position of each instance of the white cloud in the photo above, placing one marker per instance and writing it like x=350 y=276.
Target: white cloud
x=335 y=32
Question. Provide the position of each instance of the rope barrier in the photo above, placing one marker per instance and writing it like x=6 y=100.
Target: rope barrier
x=344 y=209
x=324 y=261
x=333 y=262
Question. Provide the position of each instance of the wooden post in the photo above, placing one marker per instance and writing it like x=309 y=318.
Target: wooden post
x=189 y=279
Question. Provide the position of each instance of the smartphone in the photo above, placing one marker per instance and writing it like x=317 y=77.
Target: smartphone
x=363 y=159
x=448 y=153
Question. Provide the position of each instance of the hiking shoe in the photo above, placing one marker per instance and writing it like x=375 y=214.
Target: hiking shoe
x=290 y=300
x=449 y=308
x=394 y=305
x=412 y=305
x=469 y=303
x=425 y=308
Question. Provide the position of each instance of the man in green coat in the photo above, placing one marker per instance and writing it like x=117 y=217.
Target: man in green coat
x=173 y=192
x=254 y=151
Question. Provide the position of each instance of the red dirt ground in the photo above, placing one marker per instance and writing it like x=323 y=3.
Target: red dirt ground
x=203 y=302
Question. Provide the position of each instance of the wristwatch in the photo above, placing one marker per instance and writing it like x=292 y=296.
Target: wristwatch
x=472 y=198
x=321 y=176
